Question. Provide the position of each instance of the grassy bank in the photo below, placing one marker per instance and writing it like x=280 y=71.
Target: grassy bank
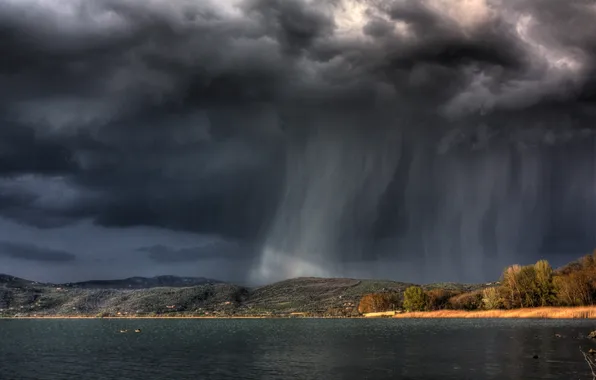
x=536 y=312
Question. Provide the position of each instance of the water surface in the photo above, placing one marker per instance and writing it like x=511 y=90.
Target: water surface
x=294 y=349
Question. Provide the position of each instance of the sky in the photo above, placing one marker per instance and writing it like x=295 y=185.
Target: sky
x=258 y=140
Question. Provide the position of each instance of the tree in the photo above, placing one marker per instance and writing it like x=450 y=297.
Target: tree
x=492 y=298
x=377 y=302
x=520 y=286
x=528 y=286
x=510 y=286
x=415 y=299
x=575 y=283
x=544 y=283
x=573 y=289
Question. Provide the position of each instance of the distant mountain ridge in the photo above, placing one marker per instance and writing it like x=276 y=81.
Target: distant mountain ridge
x=126 y=283
x=12 y=281
x=144 y=283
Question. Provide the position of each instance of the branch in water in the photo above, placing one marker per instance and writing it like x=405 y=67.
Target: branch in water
x=590 y=362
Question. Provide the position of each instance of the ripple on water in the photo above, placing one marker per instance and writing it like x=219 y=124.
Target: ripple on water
x=293 y=349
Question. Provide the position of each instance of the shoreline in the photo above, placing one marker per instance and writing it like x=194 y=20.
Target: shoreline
x=579 y=312
x=99 y=318
x=176 y=317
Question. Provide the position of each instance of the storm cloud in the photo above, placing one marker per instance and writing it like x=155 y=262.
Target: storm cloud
x=447 y=138
x=31 y=252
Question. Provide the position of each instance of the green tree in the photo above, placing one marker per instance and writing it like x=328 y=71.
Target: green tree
x=491 y=298
x=545 y=287
x=529 y=286
x=519 y=285
x=415 y=299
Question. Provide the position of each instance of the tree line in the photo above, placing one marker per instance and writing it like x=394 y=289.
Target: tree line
x=520 y=286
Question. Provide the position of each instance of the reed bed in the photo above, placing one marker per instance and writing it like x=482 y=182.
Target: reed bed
x=581 y=312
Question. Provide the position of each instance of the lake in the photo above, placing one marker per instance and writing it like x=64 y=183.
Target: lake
x=323 y=349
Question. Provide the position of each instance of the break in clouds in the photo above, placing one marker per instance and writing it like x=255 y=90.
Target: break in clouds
x=436 y=139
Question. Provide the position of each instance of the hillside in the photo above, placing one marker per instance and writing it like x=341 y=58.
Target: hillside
x=319 y=296
x=314 y=296
x=57 y=300
x=14 y=282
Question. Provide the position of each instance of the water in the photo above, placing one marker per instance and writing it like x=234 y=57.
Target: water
x=293 y=349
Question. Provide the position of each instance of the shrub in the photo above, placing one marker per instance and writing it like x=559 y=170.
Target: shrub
x=339 y=312
x=438 y=299
x=415 y=299
x=467 y=301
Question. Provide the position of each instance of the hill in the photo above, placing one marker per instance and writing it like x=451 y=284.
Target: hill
x=143 y=283
x=317 y=296
x=144 y=297
x=12 y=281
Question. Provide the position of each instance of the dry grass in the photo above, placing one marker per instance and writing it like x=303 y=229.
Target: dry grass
x=537 y=312
x=379 y=314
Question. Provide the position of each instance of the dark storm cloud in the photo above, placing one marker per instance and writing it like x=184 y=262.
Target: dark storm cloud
x=215 y=250
x=44 y=201
x=22 y=151
x=147 y=164
x=292 y=23
x=223 y=119
x=31 y=252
